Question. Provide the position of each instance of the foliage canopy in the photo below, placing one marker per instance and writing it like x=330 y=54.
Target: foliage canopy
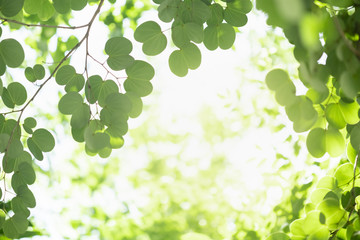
x=325 y=36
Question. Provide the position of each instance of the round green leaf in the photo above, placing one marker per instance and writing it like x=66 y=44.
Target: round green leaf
x=9 y=8
x=34 y=149
x=334 y=116
x=188 y=57
x=43 y=139
x=335 y=143
x=118 y=46
x=39 y=71
x=349 y=83
x=96 y=141
x=139 y=88
x=140 y=71
x=4 y=141
x=168 y=9
x=151 y=35
x=136 y=104
x=26 y=195
x=62 y=6
x=30 y=122
x=19 y=207
x=30 y=74
x=17 y=93
x=235 y=12
x=92 y=88
x=217 y=14
x=344 y=174
x=75 y=84
x=12 y=52
x=27 y=173
x=116 y=140
x=222 y=35
x=80 y=117
x=118 y=49
x=64 y=74
x=118 y=102
x=302 y=113
x=349 y=111
x=316 y=142
x=43 y=8
x=15 y=226
x=70 y=102
x=108 y=87
x=78 y=5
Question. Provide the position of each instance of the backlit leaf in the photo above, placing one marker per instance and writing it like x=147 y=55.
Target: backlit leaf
x=150 y=34
x=11 y=52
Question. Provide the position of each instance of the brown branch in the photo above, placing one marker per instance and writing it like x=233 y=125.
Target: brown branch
x=41 y=25
x=342 y=34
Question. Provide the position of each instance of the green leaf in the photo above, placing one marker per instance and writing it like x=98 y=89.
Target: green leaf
x=2 y=217
x=217 y=15
x=278 y=236
x=302 y=113
x=27 y=173
x=30 y=74
x=62 y=6
x=11 y=52
x=43 y=8
x=316 y=142
x=355 y=137
x=118 y=49
x=80 y=118
x=349 y=111
x=279 y=81
x=19 y=207
x=96 y=141
x=39 y=71
x=335 y=217
x=184 y=33
x=43 y=139
x=349 y=83
x=78 y=5
x=26 y=195
x=118 y=102
x=168 y=9
x=34 y=149
x=188 y=57
x=92 y=88
x=9 y=8
x=195 y=11
x=136 y=104
x=334 y=116
x=4 y=140
x=235 y=12
x=75 y=84
x=29 y=123
x=15 y=226
x=150 y=34
x=222 y=35
x=344 y=174
x=70 y=102
x=140 y=71
x=116 y=139
x=17 y=93
x=65 y=74
x=139 y=88
x=335 y=143
x=108 y=87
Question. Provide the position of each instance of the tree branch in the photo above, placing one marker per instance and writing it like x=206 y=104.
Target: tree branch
x=41 y=25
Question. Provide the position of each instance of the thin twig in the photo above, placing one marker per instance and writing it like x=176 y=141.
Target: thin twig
x=40 y=25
